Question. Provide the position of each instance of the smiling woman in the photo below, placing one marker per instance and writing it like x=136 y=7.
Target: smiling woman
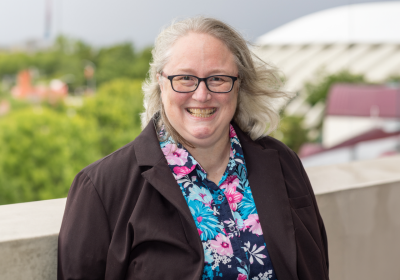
x=202 y=192
x=200 y=116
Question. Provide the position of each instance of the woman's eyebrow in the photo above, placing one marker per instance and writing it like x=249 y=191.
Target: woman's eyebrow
x=184 y=70
x=191 y=71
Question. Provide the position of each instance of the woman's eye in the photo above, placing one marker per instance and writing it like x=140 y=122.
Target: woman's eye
x=186 y=78
x=216 y=79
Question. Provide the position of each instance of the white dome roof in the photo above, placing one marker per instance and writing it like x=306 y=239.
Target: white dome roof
x=359 y=23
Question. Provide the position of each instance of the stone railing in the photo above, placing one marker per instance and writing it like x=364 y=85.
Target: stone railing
x=28 y=239
x=358 y=202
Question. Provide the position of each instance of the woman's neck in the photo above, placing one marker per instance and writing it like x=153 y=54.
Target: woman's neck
x=213 y=159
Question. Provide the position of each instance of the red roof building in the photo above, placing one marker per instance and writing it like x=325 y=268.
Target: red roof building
x=361 y=122
x=364 y=101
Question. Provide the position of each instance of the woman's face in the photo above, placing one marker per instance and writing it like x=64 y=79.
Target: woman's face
x=200 y=55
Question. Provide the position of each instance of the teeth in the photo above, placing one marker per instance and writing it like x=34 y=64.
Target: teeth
x=201 y=113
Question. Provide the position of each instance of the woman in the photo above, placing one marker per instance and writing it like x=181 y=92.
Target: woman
x=202 y=192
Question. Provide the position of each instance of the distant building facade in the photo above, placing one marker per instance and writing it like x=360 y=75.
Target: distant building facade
x=360 y=122
x=362 y=38
x=352 y=110
x=24 y=89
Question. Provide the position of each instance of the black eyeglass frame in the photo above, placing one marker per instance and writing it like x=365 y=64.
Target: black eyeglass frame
x=199 y=81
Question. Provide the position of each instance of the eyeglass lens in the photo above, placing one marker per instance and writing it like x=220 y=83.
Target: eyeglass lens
x=219 y=84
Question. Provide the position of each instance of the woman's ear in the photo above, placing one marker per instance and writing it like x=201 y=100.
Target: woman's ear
x=159 y=80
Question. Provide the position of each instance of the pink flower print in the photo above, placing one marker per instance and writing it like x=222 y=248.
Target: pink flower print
x=232 y=132
x=242 y=277
x=254 y=224
x=233 y=197
x=222 y=245
x=230 y=181
x=174 y=155
x=199 y=231
x=182 y=171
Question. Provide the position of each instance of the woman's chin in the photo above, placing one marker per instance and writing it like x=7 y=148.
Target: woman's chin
x=205 y=136
x=201 y=134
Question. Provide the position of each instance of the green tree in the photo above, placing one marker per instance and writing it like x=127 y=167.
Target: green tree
x=393 y=79
x=141 y=66
x=121 y=61
x=67 y=58
x=41 y=152
x=318 y=90
x=291 y=132
x=12 y=63
x=116 y=109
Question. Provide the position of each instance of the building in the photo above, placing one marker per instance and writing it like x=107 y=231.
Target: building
x=361 y=122
x=362 y=38
x=353 y=110
x=24 y=89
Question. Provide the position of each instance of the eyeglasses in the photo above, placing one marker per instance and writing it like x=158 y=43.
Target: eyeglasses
x=189 y=83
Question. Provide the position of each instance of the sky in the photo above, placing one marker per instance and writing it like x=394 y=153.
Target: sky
x=106 y=22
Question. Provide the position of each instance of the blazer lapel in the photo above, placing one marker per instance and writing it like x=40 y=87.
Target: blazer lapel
x=148 y=153
x=269 y=191
x=161 y=178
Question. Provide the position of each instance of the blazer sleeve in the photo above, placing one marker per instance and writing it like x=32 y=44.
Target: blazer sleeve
x=85 y=235
x=320 y=221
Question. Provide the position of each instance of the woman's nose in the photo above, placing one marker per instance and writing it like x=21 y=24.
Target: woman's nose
x=202 y=94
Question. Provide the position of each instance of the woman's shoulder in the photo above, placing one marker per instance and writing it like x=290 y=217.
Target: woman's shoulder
x=285 y=153
x=113 y=164
x=111 y=174
x=109 y=182
x=122 y=169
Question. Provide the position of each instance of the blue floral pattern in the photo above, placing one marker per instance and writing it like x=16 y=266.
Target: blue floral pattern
x=225 y=214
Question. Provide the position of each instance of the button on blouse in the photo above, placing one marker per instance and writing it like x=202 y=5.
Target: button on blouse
x=225 y=214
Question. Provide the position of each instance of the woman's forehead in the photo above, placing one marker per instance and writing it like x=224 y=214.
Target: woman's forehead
x=200 y=52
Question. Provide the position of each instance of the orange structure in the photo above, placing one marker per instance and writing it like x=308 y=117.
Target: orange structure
x=24 y=86
x=25 y=90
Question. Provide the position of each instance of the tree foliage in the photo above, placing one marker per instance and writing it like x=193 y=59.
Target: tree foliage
x=291 y=132
x=67 y=58
x=318 y=90
x=41 y=151
x=116 y=109
x=43 y=148
x=393 y=79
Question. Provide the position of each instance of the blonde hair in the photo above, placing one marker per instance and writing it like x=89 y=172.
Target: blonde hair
x=260 y=84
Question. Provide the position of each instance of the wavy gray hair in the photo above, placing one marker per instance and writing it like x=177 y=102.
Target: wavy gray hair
x=260 y=85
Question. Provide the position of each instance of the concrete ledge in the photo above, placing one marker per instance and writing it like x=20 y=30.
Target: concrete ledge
x=363 y=228
x=30 y=258
x=358 y=202
x=352 y=175
x=28 y=239
x=31 y=219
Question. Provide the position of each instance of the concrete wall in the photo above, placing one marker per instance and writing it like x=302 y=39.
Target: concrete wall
x=363 y=227
x=358 y=202
x=28 y=239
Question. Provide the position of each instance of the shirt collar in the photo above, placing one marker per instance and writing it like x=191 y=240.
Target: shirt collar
x=236 y=158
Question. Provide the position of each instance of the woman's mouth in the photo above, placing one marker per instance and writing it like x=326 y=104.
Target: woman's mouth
x=201 y=113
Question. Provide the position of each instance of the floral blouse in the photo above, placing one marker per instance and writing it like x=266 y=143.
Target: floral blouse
x=225 y=214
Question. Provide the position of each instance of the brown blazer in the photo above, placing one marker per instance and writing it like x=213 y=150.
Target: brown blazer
x=126 y=217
